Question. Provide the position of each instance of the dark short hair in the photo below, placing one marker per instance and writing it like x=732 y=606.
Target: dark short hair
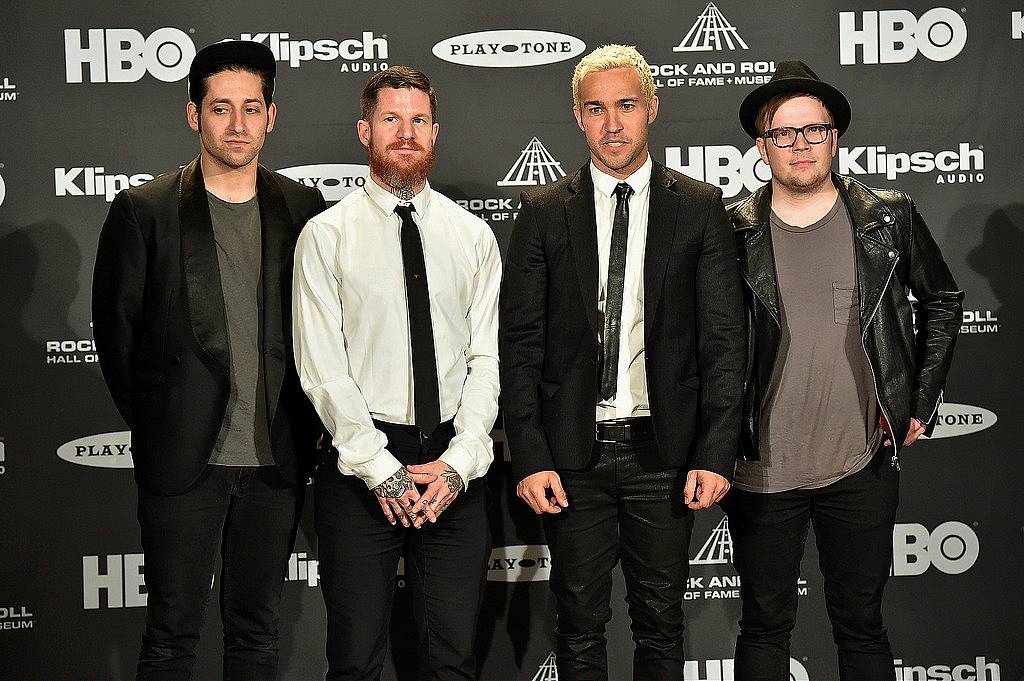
x=774 y=103
x=396 y=77
x=198 y=92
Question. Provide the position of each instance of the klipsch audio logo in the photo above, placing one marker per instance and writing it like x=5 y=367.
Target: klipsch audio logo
x=895 y=36
x=952 y=547
x=722 y=670
x=334 y=180
x=980 y=670
x=106 y=450
x=121 y=581
x=365 y=49
x=14 y=617
x=94 y=181
x=303 y=569
x=519 y=563
x=124 y=55
x=509 y=48
x=961 y=419
x=711 y=32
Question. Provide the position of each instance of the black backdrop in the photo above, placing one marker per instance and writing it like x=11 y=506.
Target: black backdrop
x=92 y=99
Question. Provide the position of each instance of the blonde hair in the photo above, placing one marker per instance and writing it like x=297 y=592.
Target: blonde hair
x=609 y=57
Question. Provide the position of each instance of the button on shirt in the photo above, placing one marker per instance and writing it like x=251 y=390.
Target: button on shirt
x=351 y=326
x=631 y=393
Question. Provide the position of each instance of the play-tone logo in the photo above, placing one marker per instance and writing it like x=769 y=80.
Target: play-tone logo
x=952 y=547
x=895 y=36
x=3 y=190
x=980 y=670
x=711 y=31
x=519 y=563
x=509 y=48
x=106 y=450
x=334 y=180
x=961 y=419
x=534 y=166
x=124 y=55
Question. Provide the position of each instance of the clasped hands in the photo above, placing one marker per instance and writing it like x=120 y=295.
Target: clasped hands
x=402 y=502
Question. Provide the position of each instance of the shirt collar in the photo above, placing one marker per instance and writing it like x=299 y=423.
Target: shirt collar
x=386 y=201
x=638 y=181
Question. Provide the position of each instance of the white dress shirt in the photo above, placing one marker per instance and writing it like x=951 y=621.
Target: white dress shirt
x=630 y=397
x=351 y=326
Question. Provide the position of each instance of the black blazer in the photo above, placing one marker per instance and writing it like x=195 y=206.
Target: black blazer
x=693 y=326
x=161 y=333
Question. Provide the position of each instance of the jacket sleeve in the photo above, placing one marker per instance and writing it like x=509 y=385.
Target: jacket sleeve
x=939 y=315
x=721 y=344
x=522 y=336
x=118 y=291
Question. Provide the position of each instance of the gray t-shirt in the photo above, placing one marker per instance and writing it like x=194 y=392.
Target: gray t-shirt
x=243 y=439
x=819 y=419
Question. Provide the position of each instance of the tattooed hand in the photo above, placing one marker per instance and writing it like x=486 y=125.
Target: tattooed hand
x=443 y=485
x=397 y=497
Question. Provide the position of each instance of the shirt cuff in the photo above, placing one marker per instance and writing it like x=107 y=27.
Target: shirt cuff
x=375 y=471
x=464 y=462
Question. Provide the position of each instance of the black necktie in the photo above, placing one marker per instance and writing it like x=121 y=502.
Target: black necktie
x=613 y=291
x=421 y=331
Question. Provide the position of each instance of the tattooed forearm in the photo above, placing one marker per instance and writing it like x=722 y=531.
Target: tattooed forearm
x=452 y=479
x=395 y=486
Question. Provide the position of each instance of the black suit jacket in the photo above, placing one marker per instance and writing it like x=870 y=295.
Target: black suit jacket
x=161 y=332
x=693 y=326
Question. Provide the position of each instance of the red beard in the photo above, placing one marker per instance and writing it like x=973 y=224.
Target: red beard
x=400 y=175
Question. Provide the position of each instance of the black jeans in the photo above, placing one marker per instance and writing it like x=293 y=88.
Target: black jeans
x=853 y=521
x=445 y=568
x=625 y=506
x=249 y=515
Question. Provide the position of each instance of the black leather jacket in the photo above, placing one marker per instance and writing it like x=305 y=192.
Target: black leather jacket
x=894 y=252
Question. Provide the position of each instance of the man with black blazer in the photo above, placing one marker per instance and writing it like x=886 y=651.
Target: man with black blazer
x=192 y=319
x=622 y=354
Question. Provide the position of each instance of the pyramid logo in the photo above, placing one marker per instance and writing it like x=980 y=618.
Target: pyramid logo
x=548 y=671
x=711 y=31
x=534 y=166
x=718 y=548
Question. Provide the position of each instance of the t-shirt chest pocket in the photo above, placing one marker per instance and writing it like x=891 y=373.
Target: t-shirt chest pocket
x=845 y=303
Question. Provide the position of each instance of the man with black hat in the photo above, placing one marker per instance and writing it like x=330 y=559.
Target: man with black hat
x=191 y=309
x=838 y=380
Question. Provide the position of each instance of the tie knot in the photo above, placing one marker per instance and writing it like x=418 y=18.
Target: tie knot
x=623 y=191
x=405 y=210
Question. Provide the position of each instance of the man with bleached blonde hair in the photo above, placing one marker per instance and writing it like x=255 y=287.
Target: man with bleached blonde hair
x=621 y=338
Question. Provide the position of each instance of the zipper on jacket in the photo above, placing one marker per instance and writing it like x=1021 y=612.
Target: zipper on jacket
x=895 y=461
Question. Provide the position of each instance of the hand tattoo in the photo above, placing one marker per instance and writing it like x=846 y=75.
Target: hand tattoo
x=395 y=486
x=452 y=479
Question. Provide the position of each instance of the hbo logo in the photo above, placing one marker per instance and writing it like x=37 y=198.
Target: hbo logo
x=123 y=55
x=952 y=547
x=895 y=36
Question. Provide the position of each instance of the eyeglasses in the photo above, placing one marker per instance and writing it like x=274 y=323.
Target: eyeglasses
x=785 y=137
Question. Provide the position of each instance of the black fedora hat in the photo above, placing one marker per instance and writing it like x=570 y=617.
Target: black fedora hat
x=210 y=58
x=795 y=76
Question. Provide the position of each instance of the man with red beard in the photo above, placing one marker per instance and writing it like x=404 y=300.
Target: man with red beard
x=407 y=384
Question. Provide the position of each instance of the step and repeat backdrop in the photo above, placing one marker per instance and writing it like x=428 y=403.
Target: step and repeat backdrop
x=92 y=100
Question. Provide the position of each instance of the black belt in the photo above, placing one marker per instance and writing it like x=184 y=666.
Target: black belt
x=631 y=429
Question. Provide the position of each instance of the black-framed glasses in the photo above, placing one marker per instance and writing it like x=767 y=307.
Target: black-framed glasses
x=785 y=136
